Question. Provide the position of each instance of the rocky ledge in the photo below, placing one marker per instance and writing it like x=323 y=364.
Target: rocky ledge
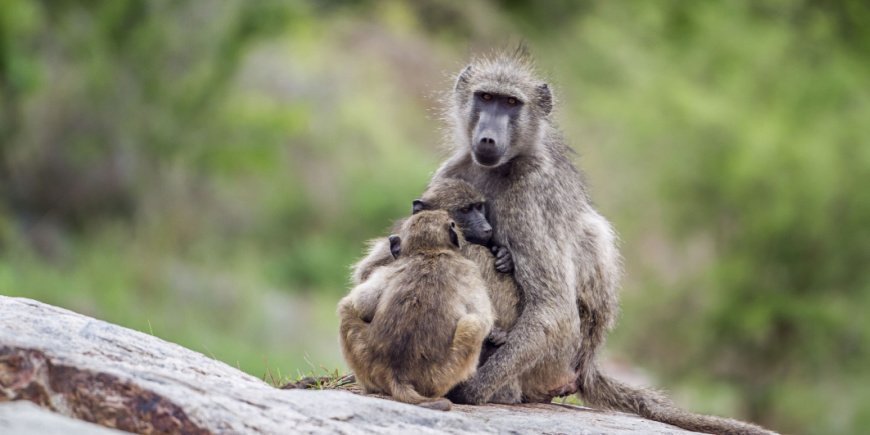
x=77 y=367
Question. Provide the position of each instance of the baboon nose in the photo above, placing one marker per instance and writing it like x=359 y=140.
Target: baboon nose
x=486 y=150
x=486 y=145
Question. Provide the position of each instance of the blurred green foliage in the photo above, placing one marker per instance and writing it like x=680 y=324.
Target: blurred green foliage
x=206 y=172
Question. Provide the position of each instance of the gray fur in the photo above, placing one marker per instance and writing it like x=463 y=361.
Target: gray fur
x=566 y=262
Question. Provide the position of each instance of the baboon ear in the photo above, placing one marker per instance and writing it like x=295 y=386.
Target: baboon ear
x=545 y=99
x=453 y=237
x=418 y=205
x=463 y=78
x=395 y=245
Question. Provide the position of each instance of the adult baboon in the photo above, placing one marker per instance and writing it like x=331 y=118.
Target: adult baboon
x=415 y=327
x=565 y=257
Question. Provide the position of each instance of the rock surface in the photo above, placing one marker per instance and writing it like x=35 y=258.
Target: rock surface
x=24 y=418
x=112 y=376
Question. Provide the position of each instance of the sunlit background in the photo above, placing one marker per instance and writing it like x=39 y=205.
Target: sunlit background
x=206 y=172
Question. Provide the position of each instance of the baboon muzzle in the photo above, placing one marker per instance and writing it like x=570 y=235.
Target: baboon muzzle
x=491 y=136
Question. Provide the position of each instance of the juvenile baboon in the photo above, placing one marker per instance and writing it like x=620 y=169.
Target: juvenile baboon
x=565 y=258
x=415 y=327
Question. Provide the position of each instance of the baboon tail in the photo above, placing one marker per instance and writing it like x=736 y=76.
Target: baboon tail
x=405 y=392
x=602 y=391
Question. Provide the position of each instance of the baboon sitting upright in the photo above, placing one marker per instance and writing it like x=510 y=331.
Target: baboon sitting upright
x=566 y=262
x=415 y=327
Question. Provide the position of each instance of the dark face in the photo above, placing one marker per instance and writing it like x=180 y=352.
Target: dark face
x=494 y=118
x=471 y=220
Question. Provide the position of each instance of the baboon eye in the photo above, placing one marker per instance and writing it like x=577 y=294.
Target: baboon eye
x=465 y=209
x=512 y=101
x=486 y=96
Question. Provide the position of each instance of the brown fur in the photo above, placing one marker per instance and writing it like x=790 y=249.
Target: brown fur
x=566 y=261
x=452 y=195
x=414 y=328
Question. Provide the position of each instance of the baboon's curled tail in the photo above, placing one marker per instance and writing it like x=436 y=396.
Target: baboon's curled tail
x=605 y=392
x=404 y=392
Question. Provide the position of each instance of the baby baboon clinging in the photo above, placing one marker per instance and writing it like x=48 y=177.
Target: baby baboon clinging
x=467 y=207
x=565 y=258
x=415 y=327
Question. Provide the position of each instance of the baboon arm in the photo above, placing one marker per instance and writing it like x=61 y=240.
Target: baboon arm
x=503 y=365
x=365 y=297
x=547 y=288
x=470 y=332
x=378 y=255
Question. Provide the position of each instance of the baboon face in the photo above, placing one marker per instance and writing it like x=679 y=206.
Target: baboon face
x=471 y=218
x=472 y=221
x=500 y=106
x=496 y=116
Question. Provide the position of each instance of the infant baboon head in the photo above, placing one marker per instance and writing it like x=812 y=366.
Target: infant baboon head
x=465 y=205
x=425 y=231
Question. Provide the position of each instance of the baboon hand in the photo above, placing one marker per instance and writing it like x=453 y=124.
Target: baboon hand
x=497 y=336
x=504 y=262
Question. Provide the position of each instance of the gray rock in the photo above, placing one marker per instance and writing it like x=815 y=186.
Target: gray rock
x=25 y=418
x=112 y=376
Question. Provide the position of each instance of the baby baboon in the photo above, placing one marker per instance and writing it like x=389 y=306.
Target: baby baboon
x=565 y=258
x=415 y=327
x=467 y=207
